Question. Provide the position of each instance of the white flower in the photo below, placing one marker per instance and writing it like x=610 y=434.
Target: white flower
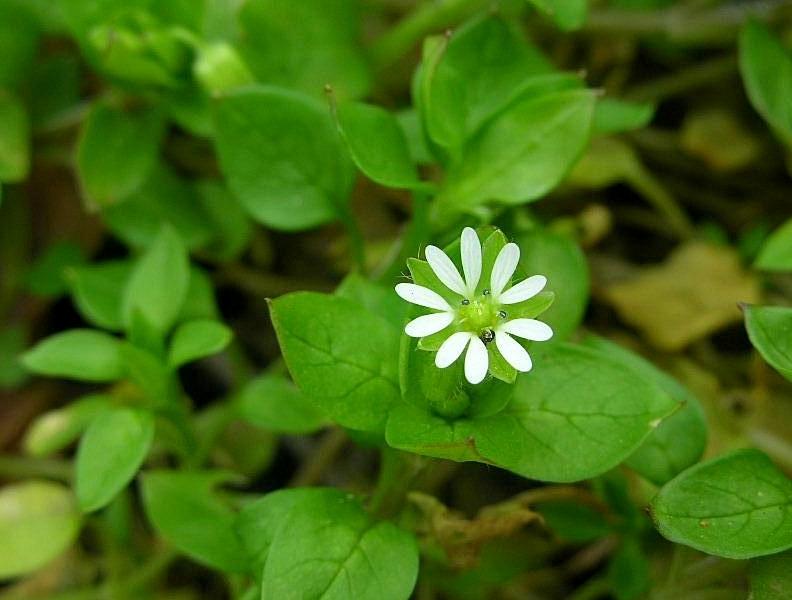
x=479 y=315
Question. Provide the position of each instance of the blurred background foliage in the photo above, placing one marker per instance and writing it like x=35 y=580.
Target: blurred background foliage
x=120 y=117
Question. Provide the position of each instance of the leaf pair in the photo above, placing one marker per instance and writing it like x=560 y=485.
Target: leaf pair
x=577 y=415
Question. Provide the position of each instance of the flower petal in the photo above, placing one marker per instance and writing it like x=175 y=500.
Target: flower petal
x=513 y=352
x=452 y=348
x=504 y=267
x=526 y=289
x=471 y=258
x=476 y=361
x=422 y=296
x=428 y=324
x=530 y=329
x=445 y=270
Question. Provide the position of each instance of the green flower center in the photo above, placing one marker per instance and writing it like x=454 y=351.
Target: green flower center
x=480 y=315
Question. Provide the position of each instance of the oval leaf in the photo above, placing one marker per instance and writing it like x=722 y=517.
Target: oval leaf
x=776 y=254
x=116 y=152
x=38 y=521
x=158 y=284
x=770 y=331
x=82 y=354
x=341 y=356
x=766 y=69
x=736 y=506
x=377 y=144
x=197 y=339
x=329 y=548
x=576 y=415
x=282 y=157
x=274 y=403
x=522 y=154
x=98 y=289
x=184 y=509
x=679 y=441
x=111 y=451
x=56 y=429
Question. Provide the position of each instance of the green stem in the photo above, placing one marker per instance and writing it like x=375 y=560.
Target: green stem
x=23 y=467
x=594 y=588
x=331 y=445
x=415 y=235
x=663 y=202
x=426 y=18
x=398 y=471
x=683 y=80
x=683 y=22
x=356 y=241
x=776 y=446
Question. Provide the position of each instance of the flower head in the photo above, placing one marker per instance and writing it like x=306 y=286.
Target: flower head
x=474 y=309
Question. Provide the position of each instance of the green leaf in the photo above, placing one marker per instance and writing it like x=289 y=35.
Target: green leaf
x=735 y=506
x=135 y=47
x=305 y=45
x=522 y=154
x=13 y=341
x=561 y=260
x=628 y=571
x=200 y=302
x=377 y=144
x=770 y=331
x=766 y=69
x=771 y=577
x=259 y=521
x=329 y=548
x=776 y=253
x=158 y=284
x=55 y=88
x=150 y=373
x=38 y=521
x=110 y=453
x=282 y=157
x=274 y=403
x=116 y=151
x=46 y=275
x=410 y=124
x=574 y=522
x=164 y=198
x=680 y=440
x=15 y=141
x=98 y=291
x=612 y=115
x=219 y=68
x=576 y=415
x=196 y=339
x=184 y=509
x=82 y=354
x=54 y=430
x=485 y=66
x=375 y=298
x=341 y=356
x=18 y=43
x=567 y=14
x=232 y=227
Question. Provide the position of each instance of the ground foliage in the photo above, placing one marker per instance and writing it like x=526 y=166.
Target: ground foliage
x=205 y=388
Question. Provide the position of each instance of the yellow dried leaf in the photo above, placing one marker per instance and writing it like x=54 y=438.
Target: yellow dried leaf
x=693 y=294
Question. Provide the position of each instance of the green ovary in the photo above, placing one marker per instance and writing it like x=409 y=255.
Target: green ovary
x=478 y=316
